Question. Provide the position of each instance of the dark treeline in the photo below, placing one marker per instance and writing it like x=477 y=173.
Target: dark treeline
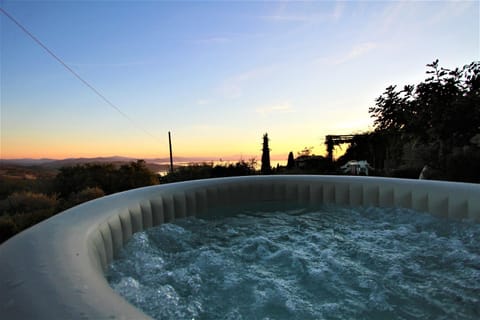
x=208 y=170
x=107 y=177
x=435 y=123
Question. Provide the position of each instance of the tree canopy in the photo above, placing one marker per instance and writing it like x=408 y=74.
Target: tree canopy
x=438 y=119
x=445 y=107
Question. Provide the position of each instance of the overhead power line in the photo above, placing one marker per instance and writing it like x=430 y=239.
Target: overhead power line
x=66 y=66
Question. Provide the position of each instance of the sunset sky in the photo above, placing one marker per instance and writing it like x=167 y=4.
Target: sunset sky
x=217 y=74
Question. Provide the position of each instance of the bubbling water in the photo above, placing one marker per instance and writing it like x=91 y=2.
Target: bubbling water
x=327 y=263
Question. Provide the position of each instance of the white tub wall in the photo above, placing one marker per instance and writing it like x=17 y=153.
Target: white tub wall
x=56 y=268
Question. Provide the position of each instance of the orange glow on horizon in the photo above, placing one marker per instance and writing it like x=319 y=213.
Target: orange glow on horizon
x=39 y=152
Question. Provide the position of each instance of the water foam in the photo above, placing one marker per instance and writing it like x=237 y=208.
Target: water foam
x=327 y=263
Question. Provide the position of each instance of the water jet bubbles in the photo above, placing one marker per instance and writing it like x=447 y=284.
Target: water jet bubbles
x=323 y=263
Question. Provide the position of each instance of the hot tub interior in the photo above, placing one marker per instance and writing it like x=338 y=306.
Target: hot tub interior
x=327 y=262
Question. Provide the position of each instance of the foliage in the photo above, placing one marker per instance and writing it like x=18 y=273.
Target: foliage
x=76 y=178
x=306 y=152
x=310 y=164
x=18 y=181
x=371 y=146
x=26 y=201
x=433 y=118
x=8 y=228
x=22 y=208
x=463 y=165
x=208 y=170
x=12 y=224
x=106 y=177
x=84 y=195
x=135 y=175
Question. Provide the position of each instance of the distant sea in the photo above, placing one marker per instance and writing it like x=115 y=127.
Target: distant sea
x=273 y=163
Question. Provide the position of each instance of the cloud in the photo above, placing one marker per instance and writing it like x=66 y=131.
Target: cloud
x=338 y=10
x=451 y=9
x=391 y=15
x=232 y=87
x=359 y=50
x=285 y=14
x=355 y=52
x=275 y=109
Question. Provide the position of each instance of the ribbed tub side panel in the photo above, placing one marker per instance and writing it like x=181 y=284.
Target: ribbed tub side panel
x=419 y=199
x=266 y=191
x=371 y=194
x=191 y=203
x=107 y=240
x=147 y=215
x=168 y=208
x=201 y=201
x=136 y=217
x=328 y=193
x=386 y=196
x=292 y=195
x=355 y=193
x=100 y=255
x=341 y=194
x=158 y=211
x=304 y=194
x=212 y=197
x=474 y=208
x=402 y=197
x=279 y=191
x=438 y=203
x=457 y=206
x=117 y=234
x=179 y=210
x=126 y=225
x=316 y=194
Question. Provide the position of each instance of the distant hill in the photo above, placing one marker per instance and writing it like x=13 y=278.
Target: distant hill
x=76 y=161
x=159 y=165
x=55 y=163
x=25 y=162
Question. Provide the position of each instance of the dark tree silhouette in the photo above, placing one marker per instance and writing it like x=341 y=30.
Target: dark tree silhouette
x=435 y=122
x=266 y=168
x=291 y=161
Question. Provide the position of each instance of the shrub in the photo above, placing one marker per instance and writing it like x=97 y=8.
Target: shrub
x=8 y=228
x=25 y=201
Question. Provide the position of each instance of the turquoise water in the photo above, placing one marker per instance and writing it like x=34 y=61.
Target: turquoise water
x=327 y=263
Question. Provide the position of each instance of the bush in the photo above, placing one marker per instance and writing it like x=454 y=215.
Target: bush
x=76 y=198
x=25 y=201
x=464 y=165
x=8 y=228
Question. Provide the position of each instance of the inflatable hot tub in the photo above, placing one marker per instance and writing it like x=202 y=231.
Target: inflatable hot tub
x=55 y=270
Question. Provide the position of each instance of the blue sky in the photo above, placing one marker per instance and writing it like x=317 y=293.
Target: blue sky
x=218 y=74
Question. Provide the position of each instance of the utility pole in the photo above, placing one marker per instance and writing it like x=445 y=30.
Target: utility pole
x=171 y=157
